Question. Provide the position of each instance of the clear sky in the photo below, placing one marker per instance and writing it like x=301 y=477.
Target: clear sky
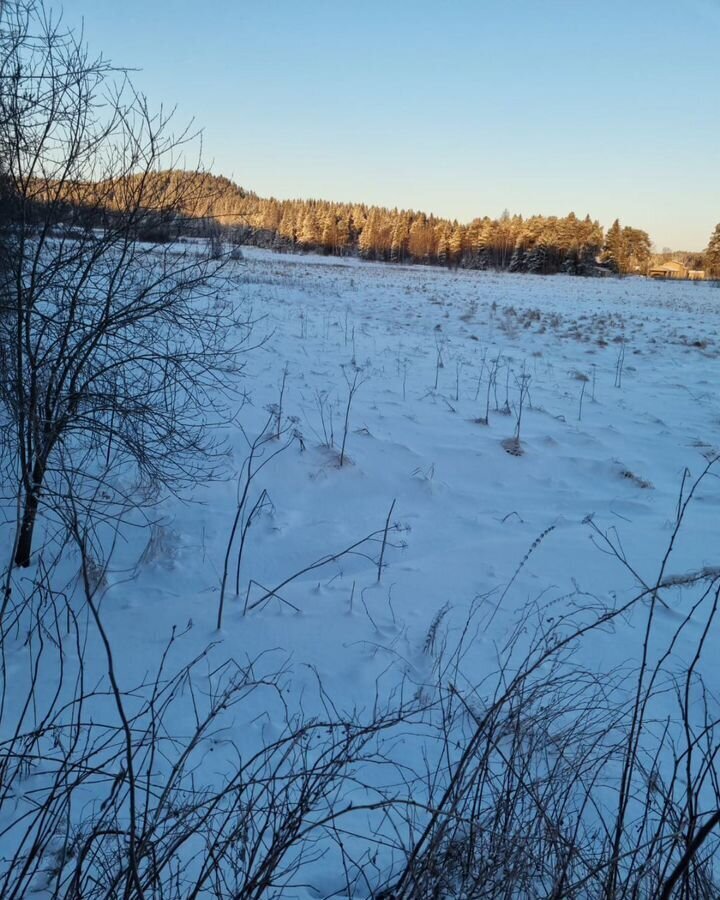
x=462 y=108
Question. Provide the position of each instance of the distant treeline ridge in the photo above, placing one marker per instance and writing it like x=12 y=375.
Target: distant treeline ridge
x=200 y=203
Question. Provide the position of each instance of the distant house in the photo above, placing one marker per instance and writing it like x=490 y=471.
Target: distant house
x=676 y=270
x=670 y=269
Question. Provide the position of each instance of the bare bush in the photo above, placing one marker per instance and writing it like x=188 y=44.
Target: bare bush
x=555 y=781
x=544 y=779
x=115 y=352
x=105 y=794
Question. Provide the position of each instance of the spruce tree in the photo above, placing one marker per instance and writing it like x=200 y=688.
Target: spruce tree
x=517 y=260
x=329 y=237
x=399 y=241
x=443 y=244
x=418 y=241
x=310 y=233
x=712 y=254
x=613 y=254
x=368 y=240
x=636 y=249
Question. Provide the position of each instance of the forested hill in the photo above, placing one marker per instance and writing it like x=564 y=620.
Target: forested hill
x=542 y=244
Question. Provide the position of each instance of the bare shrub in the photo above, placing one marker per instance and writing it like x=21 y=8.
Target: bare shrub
x=115 y=353
x=103 y=795
x=543 y=779
x=556 y=781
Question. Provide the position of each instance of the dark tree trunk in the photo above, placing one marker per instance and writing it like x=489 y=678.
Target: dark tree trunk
x=27 y=526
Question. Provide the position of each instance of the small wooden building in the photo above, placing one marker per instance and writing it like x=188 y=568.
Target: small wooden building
x=676 y=270
x=670 y=269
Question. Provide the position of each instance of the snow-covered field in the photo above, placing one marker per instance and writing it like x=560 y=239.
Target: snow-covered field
x=468 y=509
x=619 y=411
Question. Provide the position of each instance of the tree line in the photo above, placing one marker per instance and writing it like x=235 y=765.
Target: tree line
x=203 y=204
x=177 y=203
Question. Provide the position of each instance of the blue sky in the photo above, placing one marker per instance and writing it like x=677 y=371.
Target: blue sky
x=462 y=109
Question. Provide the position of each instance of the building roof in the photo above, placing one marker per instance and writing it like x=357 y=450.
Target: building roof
x=670 y=266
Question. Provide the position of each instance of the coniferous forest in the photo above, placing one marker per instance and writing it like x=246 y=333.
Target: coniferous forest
x=203 y=204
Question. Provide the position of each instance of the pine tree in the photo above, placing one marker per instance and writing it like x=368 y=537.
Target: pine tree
x=613 y=252
x=636 y=249
x=419 y=240
x=310 y=232
x=712 y=254
x=329 y=232
x=368 y=240
x=270 y=216
x=483 y=242
x=399 y=243
x=343 y=235
x=443 y=244
x=456 y=244
x=288 y=224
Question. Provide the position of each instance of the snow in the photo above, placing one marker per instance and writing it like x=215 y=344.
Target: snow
x=467 y=511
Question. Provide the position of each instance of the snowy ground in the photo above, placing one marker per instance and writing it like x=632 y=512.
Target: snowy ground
x=472 y=510
x=621 y=399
